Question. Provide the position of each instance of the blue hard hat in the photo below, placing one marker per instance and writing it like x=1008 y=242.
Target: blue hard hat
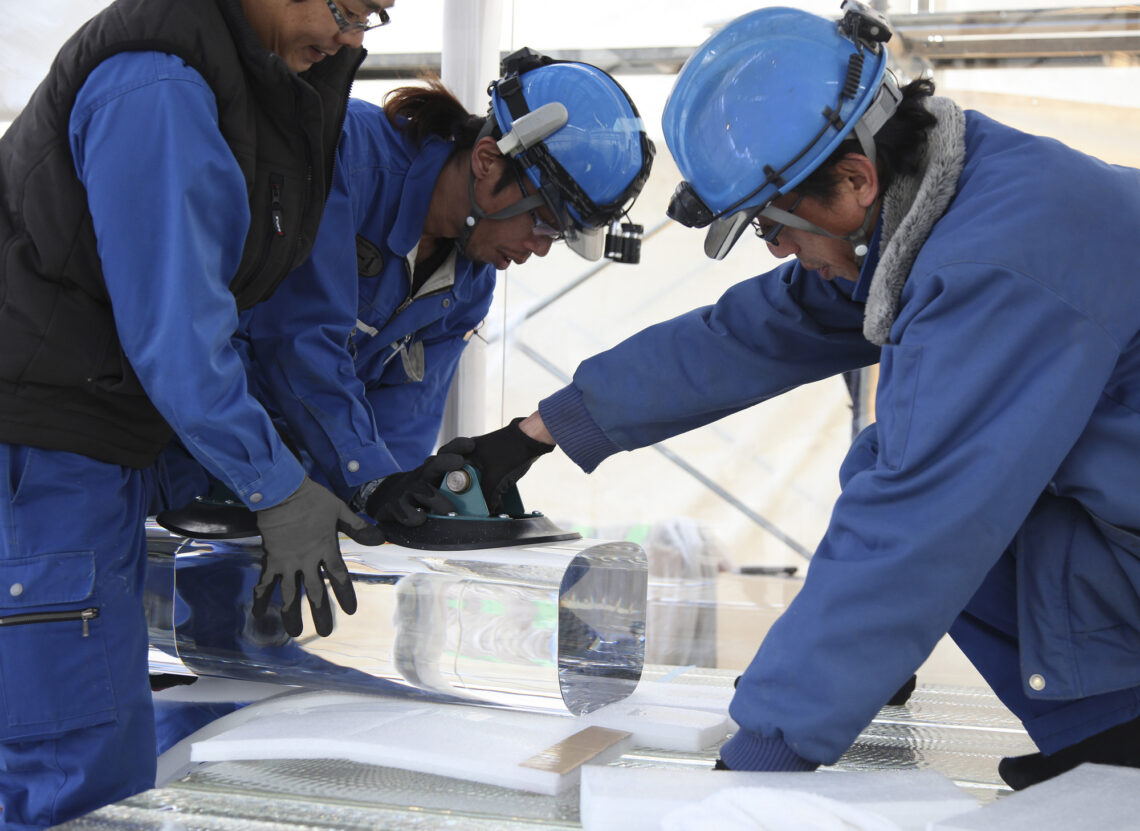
x=763 y=103
x=593 y=164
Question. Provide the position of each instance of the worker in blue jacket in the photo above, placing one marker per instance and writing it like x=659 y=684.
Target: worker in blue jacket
x=989 y=273
x=428 y=201
x=168 y=172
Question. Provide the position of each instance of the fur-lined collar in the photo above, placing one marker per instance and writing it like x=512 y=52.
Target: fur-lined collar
x=911 y=206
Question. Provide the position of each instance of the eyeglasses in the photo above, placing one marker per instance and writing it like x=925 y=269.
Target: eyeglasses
x=772 y=235
x=374 y=19
x=542 y=228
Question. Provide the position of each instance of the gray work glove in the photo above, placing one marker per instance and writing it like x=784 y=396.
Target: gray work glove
x=502 y=457
x=407 y=498
x=298 y=538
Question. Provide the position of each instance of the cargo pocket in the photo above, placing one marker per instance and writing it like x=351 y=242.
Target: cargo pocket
x=54 y=671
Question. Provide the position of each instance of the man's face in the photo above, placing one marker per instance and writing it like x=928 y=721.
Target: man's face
x=855 y=192
x=830 y=257
x=501 y=242
x=304 y=32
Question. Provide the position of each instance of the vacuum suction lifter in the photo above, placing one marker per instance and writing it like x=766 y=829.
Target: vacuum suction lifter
x=471 y=525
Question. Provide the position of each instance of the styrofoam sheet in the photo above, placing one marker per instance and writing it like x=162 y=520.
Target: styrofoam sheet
x=664 y=728
x=475 y=743
x=687 y=696
x=638 y=799
x=1101 y=797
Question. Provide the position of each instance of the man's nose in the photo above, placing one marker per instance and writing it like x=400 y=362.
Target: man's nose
x=539 y=244
x=784 y=246
x=353 y=38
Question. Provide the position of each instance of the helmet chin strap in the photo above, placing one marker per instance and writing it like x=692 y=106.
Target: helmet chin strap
x=859 y=238
x=476 y=214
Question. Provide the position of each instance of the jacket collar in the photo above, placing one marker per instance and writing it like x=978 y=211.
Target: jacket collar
x=416 y=194
x=911 y=206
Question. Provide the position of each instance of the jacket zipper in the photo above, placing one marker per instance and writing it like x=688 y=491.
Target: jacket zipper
x=84 y=615
x=276 y=181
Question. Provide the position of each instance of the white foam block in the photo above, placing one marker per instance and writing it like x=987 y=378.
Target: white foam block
x=637 y=799
x=706 y=697
x=1101 y=797
x=476 y=743
x=665 y=728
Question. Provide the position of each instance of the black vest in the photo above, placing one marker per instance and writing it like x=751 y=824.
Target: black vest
x=64 y=380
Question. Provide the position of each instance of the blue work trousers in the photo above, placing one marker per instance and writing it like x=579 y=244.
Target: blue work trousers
x=76 y=718
x=987 y=632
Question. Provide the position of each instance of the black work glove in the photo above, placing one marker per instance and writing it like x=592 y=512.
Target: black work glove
x=502 y=458
x=299 y=540
x=407 y=498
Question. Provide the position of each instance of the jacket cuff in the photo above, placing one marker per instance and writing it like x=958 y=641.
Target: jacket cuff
x=749 y=751
x=574 y=429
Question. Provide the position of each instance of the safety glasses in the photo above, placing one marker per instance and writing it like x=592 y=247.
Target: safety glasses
x=542 y=228
x=350 y=21
x=768 y=232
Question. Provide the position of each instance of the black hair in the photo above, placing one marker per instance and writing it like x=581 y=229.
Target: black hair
x=900 y=144
x=432 y=109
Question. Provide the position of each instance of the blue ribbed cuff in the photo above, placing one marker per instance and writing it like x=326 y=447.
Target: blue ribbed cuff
x=574 y=429
x=748 y=751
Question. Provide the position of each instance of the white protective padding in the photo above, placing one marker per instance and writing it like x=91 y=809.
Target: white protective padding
x=479 y=744
x=663 y=727
x=638 y=799
x=1100 y=797
x=672 y=691
x=770 y=809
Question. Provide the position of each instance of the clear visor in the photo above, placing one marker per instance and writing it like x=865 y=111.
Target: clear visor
x=724 y=232
x=588 y=243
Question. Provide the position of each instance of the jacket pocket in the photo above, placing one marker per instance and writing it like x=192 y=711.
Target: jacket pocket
x=54 y=670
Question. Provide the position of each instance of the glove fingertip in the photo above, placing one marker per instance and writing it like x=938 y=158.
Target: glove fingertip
x=344 y=593
x=366 y=534
x=347 y=604
x=262 y=594
x=322 y=620
x=291 y=619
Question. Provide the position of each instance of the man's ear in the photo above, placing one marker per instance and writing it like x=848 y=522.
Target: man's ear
x=485 y=158
x=858 y=173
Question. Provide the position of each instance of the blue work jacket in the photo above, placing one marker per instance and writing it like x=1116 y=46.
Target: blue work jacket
x=171 y=215
x=1010 y=380
x=355 y=368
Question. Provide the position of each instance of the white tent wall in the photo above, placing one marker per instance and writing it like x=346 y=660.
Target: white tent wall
x=31 y=36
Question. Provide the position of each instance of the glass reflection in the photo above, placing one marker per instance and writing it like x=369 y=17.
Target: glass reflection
x=556 y=627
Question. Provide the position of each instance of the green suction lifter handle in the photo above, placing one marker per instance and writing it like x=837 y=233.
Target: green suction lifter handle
x=464 y=490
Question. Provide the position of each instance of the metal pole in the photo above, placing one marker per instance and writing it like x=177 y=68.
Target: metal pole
x=469 y=61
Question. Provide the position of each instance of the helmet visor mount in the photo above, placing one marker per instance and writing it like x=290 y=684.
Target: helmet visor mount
x=687 y=207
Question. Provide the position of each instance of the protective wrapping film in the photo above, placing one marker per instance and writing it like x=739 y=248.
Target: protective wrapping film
x=557 y=627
